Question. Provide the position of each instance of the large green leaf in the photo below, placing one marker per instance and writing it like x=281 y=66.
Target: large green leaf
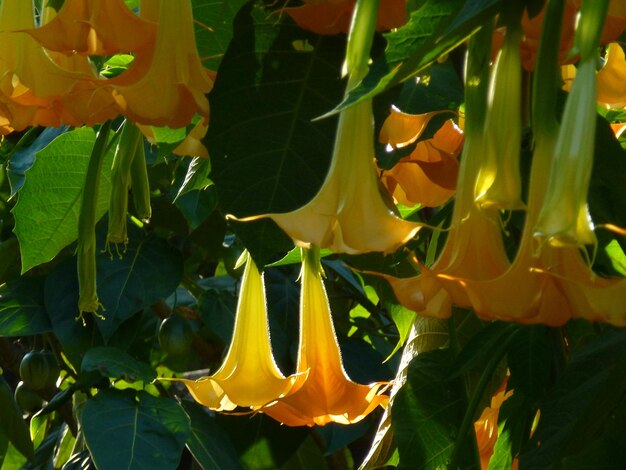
x=46 y=214
x=214 y=28
x=530 y=361
x=117 y=364
x=436 y=27
x=124 y=429
x=12 y=425
x=426 y=413
x=261 y=442
x=22 y=310
x=207 y=441
x=580 y=409
x=149 y=270
x=61 y=300
x=267 y=154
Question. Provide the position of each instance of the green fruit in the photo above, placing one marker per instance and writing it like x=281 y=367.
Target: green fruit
x=27 y=399
x=39 y=370
x=175 y=336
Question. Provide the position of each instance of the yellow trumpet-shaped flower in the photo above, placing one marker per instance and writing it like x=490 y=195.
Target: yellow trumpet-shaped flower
x=348 y=214
x=165 y=85
x=327 y=395
x=94 y=27
x=249 y=376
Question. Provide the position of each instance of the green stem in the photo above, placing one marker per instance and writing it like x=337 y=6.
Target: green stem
x=140 y=184
x=360 y=40
x=547 y=75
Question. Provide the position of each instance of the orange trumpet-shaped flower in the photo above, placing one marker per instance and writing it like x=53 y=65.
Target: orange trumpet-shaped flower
x=94 y=27
x=249 y=376
x=611 y=79
x=348 y=214
x=327 y=395
x=428 y=175
x=486 y=427
x=166 y=85
x=24 y=64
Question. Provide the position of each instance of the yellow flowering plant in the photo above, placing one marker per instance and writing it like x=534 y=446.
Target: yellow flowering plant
x=326 y=234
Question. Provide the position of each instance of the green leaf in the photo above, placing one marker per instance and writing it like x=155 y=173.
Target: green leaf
x=403 y=318
x=529 y=359
x=267 y=154
x=261 y=442
x=435 y=28
x=61 y=300
x=217 y=309
x=214 y=28
x=46 y=213
x=426 y=413
x=80 y=461
x=23 y=158
x=207 y=442
x=116 y=364
x=131 y=430
x=197 y=176
x=197 y=205
x=149 y=270
x=12 y=425
x=575 y=413
x=22 y=310
x=12 y=459
x=514 y=419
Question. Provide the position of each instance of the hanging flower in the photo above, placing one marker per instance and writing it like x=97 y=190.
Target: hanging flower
x=498 y=184
x=94 y=27
x=165 y=85
x=327 y=395
x=428 y=175
x=249 y=376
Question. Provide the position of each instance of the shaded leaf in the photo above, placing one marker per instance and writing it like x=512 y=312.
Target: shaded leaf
x=267 y=154
x=22 y=310
x=12 y=425
x=575 y=413
x=207 y=441
x=131 y=430
x=426 y=413
x=24 y=158
x=116 y=364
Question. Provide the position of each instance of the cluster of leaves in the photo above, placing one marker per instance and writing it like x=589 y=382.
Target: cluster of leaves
x=106 y=411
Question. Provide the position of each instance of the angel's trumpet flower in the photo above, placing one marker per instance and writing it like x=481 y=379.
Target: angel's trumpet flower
x=95 y=27
x=499 y=184
x=249 y=376
x=525 y=292
x=348 y=214
x=428 y=175
x=165 y=85
x=474 y=248
x=564 y=218
x=327 y=395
